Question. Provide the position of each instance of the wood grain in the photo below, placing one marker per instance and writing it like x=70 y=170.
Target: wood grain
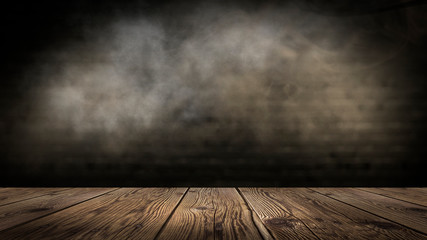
x=127 y=213
x=412 y=195
x=408 y=214
x=270 y=209
x=27 y=210
x=11 y=195
x=233 y=218
x=331 y=219
x=211 y=213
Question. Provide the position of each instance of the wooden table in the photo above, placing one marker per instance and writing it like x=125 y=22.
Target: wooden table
x=213 y=213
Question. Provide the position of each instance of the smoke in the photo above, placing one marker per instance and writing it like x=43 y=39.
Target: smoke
x=213 y=79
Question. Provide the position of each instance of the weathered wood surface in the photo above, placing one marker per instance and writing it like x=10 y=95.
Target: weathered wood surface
x=124 y=213
x=213 y=213
x=27 y=210
x=326 y=218
x=412 y=195
x=407 y=214
x=11 y=195
x=281 y=223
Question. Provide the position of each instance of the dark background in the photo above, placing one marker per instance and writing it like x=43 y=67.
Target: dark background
x=369 y=131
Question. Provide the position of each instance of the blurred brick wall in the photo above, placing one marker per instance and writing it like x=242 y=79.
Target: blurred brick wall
x=310 y=145
x=362 y=128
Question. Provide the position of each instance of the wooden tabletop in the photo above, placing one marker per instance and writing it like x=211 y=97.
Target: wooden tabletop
x=213 y=213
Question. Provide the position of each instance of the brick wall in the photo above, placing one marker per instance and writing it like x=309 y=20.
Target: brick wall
x=301 y=121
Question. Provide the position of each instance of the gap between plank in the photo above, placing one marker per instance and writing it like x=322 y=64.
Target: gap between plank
x=170 y=215
x=255 y=219
x=214 y=223
x=290 y=213
x=20 y=224
x=390 y=197
x=4 y=204
x=423 y=233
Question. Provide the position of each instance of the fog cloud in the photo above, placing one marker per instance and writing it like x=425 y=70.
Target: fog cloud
x=261 y=79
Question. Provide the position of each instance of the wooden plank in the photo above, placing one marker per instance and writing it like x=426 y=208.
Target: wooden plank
x=413 y=195
x=27 y=210
x=272 y=211
x=408 y=214
x=128 y=213
x=233 y=218
x=10 y=195
x=330 y=219
x=211 y=213
x=155 y=206
x=194 y=217
x=265 y=233
x=214 y=213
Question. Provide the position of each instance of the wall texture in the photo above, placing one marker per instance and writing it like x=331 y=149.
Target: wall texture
x=300 y=93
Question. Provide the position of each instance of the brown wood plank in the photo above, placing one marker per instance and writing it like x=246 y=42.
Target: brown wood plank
x=331 y=219
x=155 y=206
x=27 y=210
x=408 y=214
x=211 y=213
x=10 y=195
x=275 y=215
x=265 y=233
x=413 y=195
x=125 y=213
x=233 y=218
x=128 y=213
